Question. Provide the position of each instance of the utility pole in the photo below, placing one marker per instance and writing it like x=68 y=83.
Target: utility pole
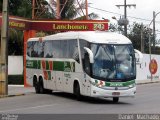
x=154 y=37
x=142 y=40
x=125 y=15
x=154 y=16
x=4 y=52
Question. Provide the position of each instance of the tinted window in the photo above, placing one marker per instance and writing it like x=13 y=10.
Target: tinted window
x=29 y=48
x=64 y=48
x=54 y=49
x=35 y=49
x=73 y=50
x=48 y=49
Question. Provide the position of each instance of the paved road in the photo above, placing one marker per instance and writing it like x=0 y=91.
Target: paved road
x=147 y=100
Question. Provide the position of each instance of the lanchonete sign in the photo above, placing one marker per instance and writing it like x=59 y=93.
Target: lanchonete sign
x=56 y=25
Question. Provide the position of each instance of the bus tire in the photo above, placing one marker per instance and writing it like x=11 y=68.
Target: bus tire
x=115 y=99
x=41 y=87
x=36 y=84
x=77 y=91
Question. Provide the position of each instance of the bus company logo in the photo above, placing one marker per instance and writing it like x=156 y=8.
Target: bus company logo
x=98 y=26
x=69 y=66
x=116 y=84
x=153 y=66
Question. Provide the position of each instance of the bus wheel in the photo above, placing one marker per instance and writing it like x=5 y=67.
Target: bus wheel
x=41 y=88
x=36 y=85
x=77 y=92
x=115 y=99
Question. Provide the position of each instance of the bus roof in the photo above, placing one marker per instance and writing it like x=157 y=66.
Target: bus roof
x=90 y=36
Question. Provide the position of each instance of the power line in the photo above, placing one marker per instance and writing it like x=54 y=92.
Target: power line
x=121 y=14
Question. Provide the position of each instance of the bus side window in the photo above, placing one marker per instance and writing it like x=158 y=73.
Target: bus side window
x=48 y=49
x=29 y=47
x=73 y=50
x=34 y=49
x=41 y=49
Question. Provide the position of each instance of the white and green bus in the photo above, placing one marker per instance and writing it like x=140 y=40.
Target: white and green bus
x=94 y=63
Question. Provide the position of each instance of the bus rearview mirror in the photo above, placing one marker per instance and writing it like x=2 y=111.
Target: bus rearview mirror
x=90 y=53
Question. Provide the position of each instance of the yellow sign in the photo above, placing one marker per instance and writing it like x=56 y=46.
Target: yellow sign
x=69 y=27
x=16 y=24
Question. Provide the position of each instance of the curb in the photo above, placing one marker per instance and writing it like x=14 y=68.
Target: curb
x=16 y=85
x=4 y=96
x=151 y=82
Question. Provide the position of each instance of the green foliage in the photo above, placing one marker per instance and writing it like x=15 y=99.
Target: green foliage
x=21 y=8
x=24 y=9
x=69 y=11
x=15 y=43
x=138 y=32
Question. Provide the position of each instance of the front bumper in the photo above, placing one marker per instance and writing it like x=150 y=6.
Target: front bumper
x=104 y=93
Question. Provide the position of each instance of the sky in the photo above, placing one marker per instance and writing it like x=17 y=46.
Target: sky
x=144 y=10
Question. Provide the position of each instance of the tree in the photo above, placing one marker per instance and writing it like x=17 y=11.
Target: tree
x=15 y=43
x=24 y=9
x=138 y=32
x=71 y=10
x=21 y=8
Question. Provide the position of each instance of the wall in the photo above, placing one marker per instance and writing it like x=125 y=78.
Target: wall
x=15 y=65
x=143 y=69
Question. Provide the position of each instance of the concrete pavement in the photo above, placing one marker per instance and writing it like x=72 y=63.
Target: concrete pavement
x=19 y=89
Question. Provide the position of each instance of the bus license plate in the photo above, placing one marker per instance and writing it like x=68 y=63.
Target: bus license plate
x=115 y=93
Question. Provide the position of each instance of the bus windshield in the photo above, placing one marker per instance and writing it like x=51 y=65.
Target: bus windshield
x=113 y=62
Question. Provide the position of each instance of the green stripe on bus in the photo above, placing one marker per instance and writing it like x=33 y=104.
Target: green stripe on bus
x=38 y=64
x=55 y=65
x=49 y=75
x=58 y=66
x=47 y=65
x=119 y=84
